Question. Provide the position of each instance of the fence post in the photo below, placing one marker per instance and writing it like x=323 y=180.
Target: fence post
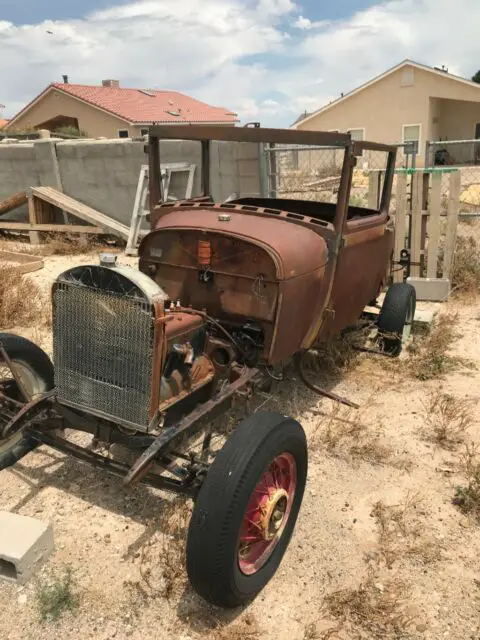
x=263 y=170
x=452 y=221
x=416 y=223
x=400 y=222
x=434 y=211
x=373 y=189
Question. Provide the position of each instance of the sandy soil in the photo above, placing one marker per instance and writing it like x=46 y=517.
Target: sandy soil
x=121 y=545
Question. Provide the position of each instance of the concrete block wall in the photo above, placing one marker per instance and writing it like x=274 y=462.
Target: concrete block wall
x=104 y=173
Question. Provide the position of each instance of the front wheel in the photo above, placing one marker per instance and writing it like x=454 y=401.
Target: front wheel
x=246 y=510
x=396 y=317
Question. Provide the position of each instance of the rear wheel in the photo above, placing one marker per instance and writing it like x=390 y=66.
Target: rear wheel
x=246 y=510
x=396 y=317
x=35 y=371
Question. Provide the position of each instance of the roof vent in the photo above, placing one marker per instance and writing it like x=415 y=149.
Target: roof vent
x=65 y=79
x=442 y=68
x=146 y=93
x=111 y=83
x=173 y=113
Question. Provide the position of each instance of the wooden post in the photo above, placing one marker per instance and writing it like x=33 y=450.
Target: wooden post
x=452 y=221
x=374 y=190
x=416 y=223
x=32 y=218
x=400 y=222
x=434 y=211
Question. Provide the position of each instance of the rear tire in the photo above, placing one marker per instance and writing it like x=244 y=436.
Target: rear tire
x=396 y=317
x=214 y=545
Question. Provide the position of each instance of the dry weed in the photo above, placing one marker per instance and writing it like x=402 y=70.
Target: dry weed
x=21 y=302
x=448 y=418
x=162 y=563
x=374 y=608
x=65 y=244
x=401 y=532
x=466 y=266
x=345 y=435
x=430 y=358
x=467 y=498
x=247 y=629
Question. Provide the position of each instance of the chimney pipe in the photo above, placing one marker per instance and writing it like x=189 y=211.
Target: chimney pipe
x=65 y=79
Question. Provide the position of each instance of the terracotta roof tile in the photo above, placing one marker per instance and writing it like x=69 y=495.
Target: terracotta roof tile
x=148 y=105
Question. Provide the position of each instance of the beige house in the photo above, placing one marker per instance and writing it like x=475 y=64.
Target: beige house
x=112 y=111
x=408 y=103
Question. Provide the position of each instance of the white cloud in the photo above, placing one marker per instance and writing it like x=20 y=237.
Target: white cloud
x=204 y=48
x=307 y=24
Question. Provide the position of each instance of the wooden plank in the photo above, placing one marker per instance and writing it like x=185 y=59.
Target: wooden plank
x=373 y=189
x=400 y=223
x=32 y=218
x=60 y=228
x=82 y=211
x=434 y=210
x=13 y=202
x=452 y=222
x=416 y=234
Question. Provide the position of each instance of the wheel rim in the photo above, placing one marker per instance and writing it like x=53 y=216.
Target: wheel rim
x=407 y=327
x=267 y=513
x=29 y=379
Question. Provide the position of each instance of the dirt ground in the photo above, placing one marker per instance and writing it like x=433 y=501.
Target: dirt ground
x=379 y=550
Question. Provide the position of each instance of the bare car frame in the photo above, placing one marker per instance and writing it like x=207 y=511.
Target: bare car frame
x=226 y=295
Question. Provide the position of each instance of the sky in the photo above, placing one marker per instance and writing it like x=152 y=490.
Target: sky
x=267 y=60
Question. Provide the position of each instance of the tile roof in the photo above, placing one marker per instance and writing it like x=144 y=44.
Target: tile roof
x=148 y=105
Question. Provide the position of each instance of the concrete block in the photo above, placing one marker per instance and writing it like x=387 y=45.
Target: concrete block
x=25 y=543
x=433 y=289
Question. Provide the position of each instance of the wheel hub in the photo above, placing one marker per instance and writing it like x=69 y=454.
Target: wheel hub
x=273 y=514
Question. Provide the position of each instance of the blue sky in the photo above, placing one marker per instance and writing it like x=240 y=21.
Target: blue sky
x=267 y=60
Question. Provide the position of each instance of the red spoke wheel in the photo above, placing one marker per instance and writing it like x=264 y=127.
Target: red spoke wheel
x=246 y=510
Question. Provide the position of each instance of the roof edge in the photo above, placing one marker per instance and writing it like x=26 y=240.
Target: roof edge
x=385 y=74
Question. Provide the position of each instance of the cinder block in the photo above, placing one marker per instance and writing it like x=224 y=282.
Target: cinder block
x=433 y=289
x=25 y=543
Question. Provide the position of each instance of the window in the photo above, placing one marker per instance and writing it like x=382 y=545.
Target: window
x=412 y=134
x=123 y=133
x=358 y=135
x=144 y=131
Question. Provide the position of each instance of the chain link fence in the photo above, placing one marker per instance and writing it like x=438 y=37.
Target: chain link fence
x=464 y=156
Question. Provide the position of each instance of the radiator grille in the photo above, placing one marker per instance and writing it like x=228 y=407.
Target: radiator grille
x=103 y=346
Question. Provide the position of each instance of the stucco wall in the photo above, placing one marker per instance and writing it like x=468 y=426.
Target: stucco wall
x=104 y=173
x=384 y=107
x=93 y=121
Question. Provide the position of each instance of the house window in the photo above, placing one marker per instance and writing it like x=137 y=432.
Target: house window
x=358 y=135
x=144 y=131
x=123 y=133
x=411 y=134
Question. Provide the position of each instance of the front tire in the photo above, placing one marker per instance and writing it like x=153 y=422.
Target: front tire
x=396 y=317
x=246 y=510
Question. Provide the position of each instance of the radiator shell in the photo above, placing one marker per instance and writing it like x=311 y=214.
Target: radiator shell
x=104 y=342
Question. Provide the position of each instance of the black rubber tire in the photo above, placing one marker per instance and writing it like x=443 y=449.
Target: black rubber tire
x=24 y=350
x=393 y=316
x=212 y=544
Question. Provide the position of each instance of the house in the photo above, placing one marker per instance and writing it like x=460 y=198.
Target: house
x=3 y=123
x=113 y=111
x=409 y=103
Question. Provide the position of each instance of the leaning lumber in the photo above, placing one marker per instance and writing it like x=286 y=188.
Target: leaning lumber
x=13 y=202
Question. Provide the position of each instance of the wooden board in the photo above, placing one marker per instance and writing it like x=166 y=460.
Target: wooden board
x=13 y=202
x=452 y=222
x=57 y=228
x=416 y=224
x=21 y=262
x=434 y=210
x=80 y=210
x=400 y=223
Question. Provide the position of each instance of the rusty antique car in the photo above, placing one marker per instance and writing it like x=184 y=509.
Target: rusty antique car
x=225 y=297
